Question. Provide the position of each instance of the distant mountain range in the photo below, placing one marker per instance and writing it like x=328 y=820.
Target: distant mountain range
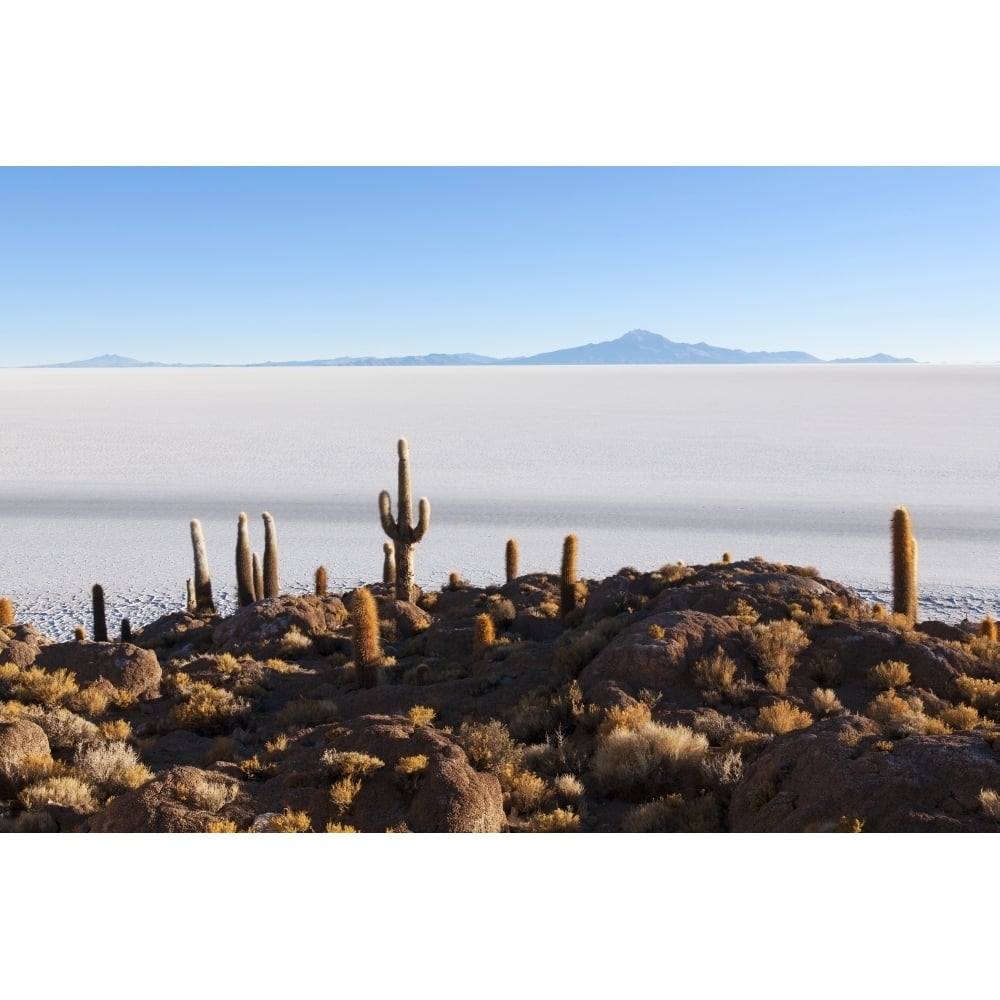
x=637 y=347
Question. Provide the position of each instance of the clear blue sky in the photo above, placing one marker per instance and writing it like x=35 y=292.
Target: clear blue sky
x=253 y=264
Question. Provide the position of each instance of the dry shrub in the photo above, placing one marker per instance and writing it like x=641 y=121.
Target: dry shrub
x=743 y=611
x=227 y=664
x=569 y=791
x=577 y=650
x=421 y=715
x=776 y=680
x=489 y=746
x=279 y=666
x=278 y=745
x=825 y=702
x=775 y=645
x=407 y=766
x=527 y=791
x=897 y=716
x=349 y=763
x=221 y=826
x=32 y=768
x=207 y=710
x=40 y=686
x=332 y=827
x=888 y=675
x=824 y=668
x=61 y=790
x=93 y=700
x=632 y=715
x=674 y=814
x=342 y=793
x=112 y=766
x=782 y=717
x=290 y=822
x=294 y=643
x=645 y=760
x=980 y=692
x=307 y=712
x=64 y=729
x=960 y=718
x=990 y=802
x=556 y=821
x=656 y=632
x=206 y=794
x=124 y=698
x=726 y=767
x=714 y=674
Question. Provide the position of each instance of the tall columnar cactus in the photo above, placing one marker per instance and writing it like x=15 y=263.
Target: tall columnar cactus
x=270 y=556
x=203 y=602
x=100 y=619
x=567 y=577
x=484 y=633
x=244 y=563
x=511 y=559
x=366 y=642
x=904 y=566
x=402 y=531
x=320 y=588
x=388 y=563
x=258 y=578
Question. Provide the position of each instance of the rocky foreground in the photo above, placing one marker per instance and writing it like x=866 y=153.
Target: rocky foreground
x=732 y=697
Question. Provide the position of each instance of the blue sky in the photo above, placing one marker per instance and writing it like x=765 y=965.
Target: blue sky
x=231 y=265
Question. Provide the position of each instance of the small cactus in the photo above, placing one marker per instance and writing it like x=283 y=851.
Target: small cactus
x=484 y=633
x=244 y=563
x=727 y=557
x=388 y=563
x=320 y=582
x=126 y=630
x=904 y=566
x=100 y=619
x=512 y=556
x=203 y=602
x=988 y=629
x=258 y=578
x=7 y=614
x=192 y=604
x=80 y=633
x=366 y=642
x=402 y=531
x=567 y=578
x=270 y=556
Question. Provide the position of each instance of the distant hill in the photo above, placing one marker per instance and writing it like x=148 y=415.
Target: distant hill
x=637 y=347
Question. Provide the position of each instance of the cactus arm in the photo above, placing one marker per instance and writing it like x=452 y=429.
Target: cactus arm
x=385 y=513
x=423 y=522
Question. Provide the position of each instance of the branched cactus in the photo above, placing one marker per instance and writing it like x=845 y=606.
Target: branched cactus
x=203 y=602
x=320 y=587
x=512 y=556
x=366 y=643
x=404 y=534
x=258 y=578
x=388 y=563
x=244 y=564
x=100 y=619
x=270 y=556
x=567 y=577
x=904 y=566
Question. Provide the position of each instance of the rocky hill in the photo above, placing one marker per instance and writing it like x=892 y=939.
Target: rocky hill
x=736 y=697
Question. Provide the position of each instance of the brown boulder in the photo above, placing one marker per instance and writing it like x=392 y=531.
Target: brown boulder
x=260 y=628
x=635 y=659
x=19 y=644
x=184 y=800
x=824 y=778
x=130 y=668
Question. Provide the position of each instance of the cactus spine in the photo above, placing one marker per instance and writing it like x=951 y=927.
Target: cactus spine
x=202 y=578
x=366 y=643
x=270 y=556
x=388 y=563
x=244 y=564
x=904 y=566
x=100 y=619
x=402 y=531
x=320 y=587
x=567 y=578
x=258 y=578
x=512 y=556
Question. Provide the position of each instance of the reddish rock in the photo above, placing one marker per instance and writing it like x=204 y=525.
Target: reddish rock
x=130 y=668
x=260 y=628
x=19 y=644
